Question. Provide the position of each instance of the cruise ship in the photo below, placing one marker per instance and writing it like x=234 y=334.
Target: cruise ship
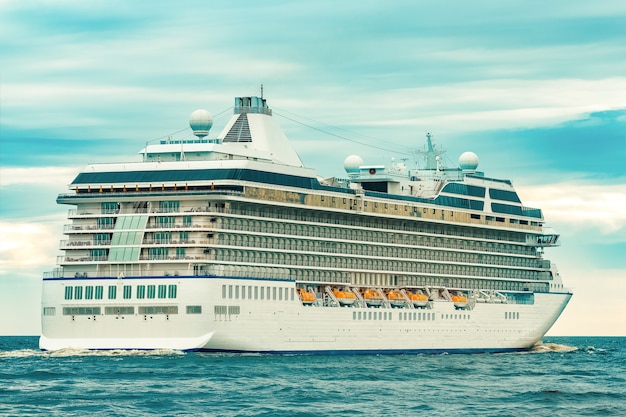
x=230 y=244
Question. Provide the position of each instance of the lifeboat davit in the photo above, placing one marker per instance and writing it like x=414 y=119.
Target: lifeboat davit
x=307 y=298
x=372 y=298
x=345 y=298
x=396 y=298
x=419 y=300
x=460 y=302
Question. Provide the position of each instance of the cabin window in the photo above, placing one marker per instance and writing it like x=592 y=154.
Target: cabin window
x=68 y=292
x=171 y=291
x=110 y=207
x=112 y=292
x=141 y=291
x=127 y=291
x=102 y=238
x=81 y=311
x=151 y=291
x=162 y=291
x=89 y=292
x=165 y=221
x=194 y=309
x=169 y=206
x=105 y=223
x=99 y=291
x=49 y=311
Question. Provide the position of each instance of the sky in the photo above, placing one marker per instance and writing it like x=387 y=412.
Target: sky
x=536 y=89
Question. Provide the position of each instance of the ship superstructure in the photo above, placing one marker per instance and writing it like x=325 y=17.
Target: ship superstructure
x=231 y=244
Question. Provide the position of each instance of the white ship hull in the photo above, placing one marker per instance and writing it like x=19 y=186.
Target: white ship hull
x=288 y=326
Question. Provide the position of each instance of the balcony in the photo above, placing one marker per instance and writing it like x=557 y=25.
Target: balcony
x=168 y=242
x=79 y=259
x=76 y=244
x=176 y=226
x=75 y=213
x=87 y=227
x=55 y=273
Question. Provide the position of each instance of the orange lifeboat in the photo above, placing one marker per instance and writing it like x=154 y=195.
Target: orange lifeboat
x=372 y=298
x=345 y=298
x=307 y=298
x=460 y=301
x=419 y=300
x=396 y=298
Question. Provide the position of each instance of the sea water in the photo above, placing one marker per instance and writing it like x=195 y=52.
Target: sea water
x=562 y=376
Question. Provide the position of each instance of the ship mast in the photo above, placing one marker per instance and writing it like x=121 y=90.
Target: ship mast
x=430 y=154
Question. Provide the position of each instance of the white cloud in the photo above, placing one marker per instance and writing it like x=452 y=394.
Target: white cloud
x=29 y=245
x=40 y=176
x=580 y=205
x=497 y=104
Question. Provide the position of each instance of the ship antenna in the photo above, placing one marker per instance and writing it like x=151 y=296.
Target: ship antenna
x=261 y=90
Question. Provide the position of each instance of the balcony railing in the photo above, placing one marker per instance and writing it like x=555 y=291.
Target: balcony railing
x=80 y=227
x=91 y=212
x=66 y=259
x=176 y=226
x=75 y=244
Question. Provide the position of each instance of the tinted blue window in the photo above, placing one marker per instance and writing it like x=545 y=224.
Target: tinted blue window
x=463 y=189
x=504 y=195
x=516 y=210
x=182 y=176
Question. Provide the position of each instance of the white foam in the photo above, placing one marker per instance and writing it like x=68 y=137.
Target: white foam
x=69 y=352
x=552 y=347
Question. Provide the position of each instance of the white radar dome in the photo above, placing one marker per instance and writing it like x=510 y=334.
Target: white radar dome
x=468 y=161
x=200 y=122
x=352 y=164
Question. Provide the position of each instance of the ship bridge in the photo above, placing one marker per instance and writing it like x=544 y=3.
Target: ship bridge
x=250 y=134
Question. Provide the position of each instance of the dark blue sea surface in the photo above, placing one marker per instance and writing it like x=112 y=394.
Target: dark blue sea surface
x=563 y=376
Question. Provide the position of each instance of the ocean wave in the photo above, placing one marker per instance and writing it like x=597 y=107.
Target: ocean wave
x=70 y=352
